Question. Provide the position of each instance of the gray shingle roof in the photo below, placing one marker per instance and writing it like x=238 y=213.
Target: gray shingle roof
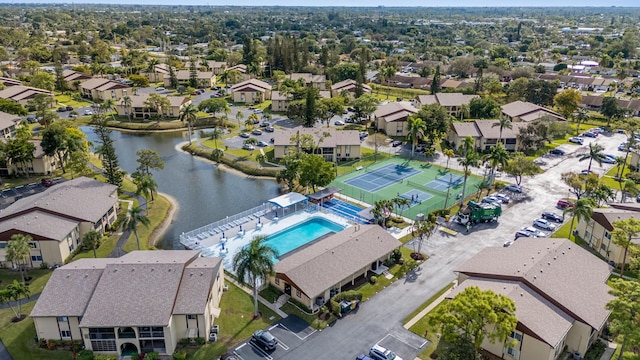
x=8 y=120
x=138 y=289
x=80 y=198
x=557 y=269
x=338 y=137
x=40 y=225
x=392 y=108
x=540 y=316
x=322 y=264
x=197 y=280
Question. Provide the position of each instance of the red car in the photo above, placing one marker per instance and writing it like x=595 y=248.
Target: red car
x=563 y=204
x=47 y=182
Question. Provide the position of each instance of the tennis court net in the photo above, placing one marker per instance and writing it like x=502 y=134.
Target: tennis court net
x=426 y=188
x=380 y=173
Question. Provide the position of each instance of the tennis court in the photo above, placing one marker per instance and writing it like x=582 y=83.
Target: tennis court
x=380 y=178
x=427 y=186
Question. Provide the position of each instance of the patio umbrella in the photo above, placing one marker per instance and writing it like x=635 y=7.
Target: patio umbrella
x=240 y=228
x=222 y=246
x=258 y=219
x=223 y=234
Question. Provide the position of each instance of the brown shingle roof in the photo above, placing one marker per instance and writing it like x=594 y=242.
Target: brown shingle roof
x=557 y=269
x=8 y=120
x=606 y=216
x=81 y=198
x=40 y=225
x=488 y=131
x=322 y=264
x=197 y=280
x=464 y=129
x=254 y=84
x=338 y=137
x=392 y=108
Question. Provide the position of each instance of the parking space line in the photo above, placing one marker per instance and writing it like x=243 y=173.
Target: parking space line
x=264 y=353
x=240 y=347
x=402 y=341
x=238 y=355
x=301 y=338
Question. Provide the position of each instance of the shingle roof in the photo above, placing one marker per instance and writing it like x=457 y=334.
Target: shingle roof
x=40 y=225
x=80 y=198
x=488 y=131
x=607 y=216
x=338 y=137
x=348 y=85
x=322 y=264
x=254 y=84
x=138 y=289
x=454 y=99
x=70 y=288
x=466 y=128
x=197 y=280
x=557 y=269
x=94 y=83
x=8 y=120
x=521 y=108
x=404 y=108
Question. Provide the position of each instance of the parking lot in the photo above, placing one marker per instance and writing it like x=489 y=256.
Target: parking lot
x=9 y=196
x=290 y=332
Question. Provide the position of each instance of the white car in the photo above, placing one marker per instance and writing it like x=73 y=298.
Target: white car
x=338 y=123
x=88 y=112
x=160 y=88
x=544 y=224
x=533 y=231
x=377 y=352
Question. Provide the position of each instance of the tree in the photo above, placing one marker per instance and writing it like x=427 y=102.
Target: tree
x=41 y=104
x=254 y=263
x=108 y=155
x=421 y=231
x=624 y=232
x=415 y=131
x=159 y=103
x=449 y=153
x=625 y=307
x=381 y=211
x=401 y=203
x=139 y=80
x=476 y=315
x=595 y=153
x=145 y=186
x=436 y=122
x=190 y=114
x=109 y=106
x=498 y=156
x=365 y=105
x=435 y=82
x=239 y=117
x=43 y=80
x=469 y=159
x=484 y=108
x=328 y=108
x=581 y=210
x=12 y=107
x=610 y=109
x=149 y=160
x=136 y=216
x=214 y=106
x=567 y=102
x=91 y=240
x=541 y=92
x=503 y=123
x=630 y=187
x=314 y=171
x=61 y=139
x=127 y=102
x=581 y=116
x=15 y=291
x=19 y=251
x=20 y=151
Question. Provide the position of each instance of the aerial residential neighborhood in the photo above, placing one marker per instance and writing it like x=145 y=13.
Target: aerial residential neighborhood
x=319 y=181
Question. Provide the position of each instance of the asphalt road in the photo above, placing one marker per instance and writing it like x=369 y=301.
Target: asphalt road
x=380 y=319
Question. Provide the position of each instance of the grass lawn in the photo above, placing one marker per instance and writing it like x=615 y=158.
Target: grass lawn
x=157 y=213
x=18 y=338
x=67 y=100
x=107 y=246
x=564 y=231
x=427 y=303
x=236 y=323
x=422 y=327
x=37 y=283
x=312 y=320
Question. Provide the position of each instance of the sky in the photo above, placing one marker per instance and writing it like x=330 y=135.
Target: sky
x=358 y=3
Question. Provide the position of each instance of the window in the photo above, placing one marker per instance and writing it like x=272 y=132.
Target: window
x=607 y=235
x=33 y=245
x=71 y=247
x=65 y=334
x=63 y=319
x=151 y=332
x=36 y=257
x=192 y=317
x=3 y=245
x=104 y=345
x=298 y=294
x=277 y=281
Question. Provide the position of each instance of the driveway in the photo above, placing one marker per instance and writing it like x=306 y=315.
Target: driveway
x=379 y=320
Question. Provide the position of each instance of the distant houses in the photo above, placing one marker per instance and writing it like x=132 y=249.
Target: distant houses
x=252 y=91
x=23 y=94
x=340 y=145
x=392 y=118
x=139 y=108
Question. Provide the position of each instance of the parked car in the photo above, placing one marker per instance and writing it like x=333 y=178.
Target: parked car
x=491 y=200
x=244 y=135
x=563 y=204
x=32 y=119
x=257 y=132
x=258 y=111
x=544 y=224
x=62 y=109
x=262 y=143
x=47 y=182
x=507 y=244
x=622 y=147
x=265 y=340
x=338 y=123
x=377 y=352
x=556 y=152
x=88 y=112
x=552 y=216
x=69 y=108
x=160 y=88
x=597 y=130
x=269 y=129
x=522 y=233
x=503 y=198
x=586 y=172
x=396 y=143
x=363 y=134
x=248 y=147
x=576 y=140
x=590 y=134
x=264 y=124
x=513 y=188
x=535 y=232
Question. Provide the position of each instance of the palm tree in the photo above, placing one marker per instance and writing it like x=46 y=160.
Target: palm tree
x=381 y=210
x=254 y=263
x=469 y=159
x=215 y=135
x=581 y=115
x=190 y=114
x=464 y=111
x=15 y=292
x=595 y=153
x=631 y=143
x=19 y=251
x=421 y=230
x=239 y=117
x=91 y=240
x=415 y=130
x=497 y=156
x=388 y=72
x=624 y=231
x=147 y=187
x=109 y=105
x=401 y=203
x=582 y=210
x=628 y=187
x=136 y=216
x=619 y=164
x=504 y=123
x=217 y=154
x=126 y=101
x=449 y=153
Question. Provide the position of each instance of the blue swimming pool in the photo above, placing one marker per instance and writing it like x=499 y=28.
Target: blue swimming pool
x=302 y=233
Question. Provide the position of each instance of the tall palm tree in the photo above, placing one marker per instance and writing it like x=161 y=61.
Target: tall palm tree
x=415 y=130
x=631 y=143
x=628 y=187
x=91 y=239
x=497 y=156
x=15 y=291
x=504 y=123
x=19 y=251
x=136 y=216
x=449 y=153
x=582 y=210
x=469 y=158
x=422 y=230
x=581 y=115
x=190 y=114
x=253 y=263
x=401 y=203
x=619 y=164
x=624 y=231
x=239 y=117
x=595 y=153
x=215 y=135
x=109 y=105
x=147 y=187
x=126 y=101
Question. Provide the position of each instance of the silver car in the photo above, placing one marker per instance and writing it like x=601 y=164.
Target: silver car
x=544 y=224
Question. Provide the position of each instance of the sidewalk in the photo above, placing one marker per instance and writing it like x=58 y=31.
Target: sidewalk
x=608 y=352
x=430 y=307
x=264 y=302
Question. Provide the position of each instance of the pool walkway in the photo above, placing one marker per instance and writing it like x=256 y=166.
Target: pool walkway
x=264 y=301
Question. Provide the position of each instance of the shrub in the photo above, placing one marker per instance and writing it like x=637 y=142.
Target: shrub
x=373 y=279
x=44 y=265
x=106 y=357
x=200 y=341
x=85 y=355
x=302 y=306
x=184 y=341
x=152 y=356
x=396 y=255
x=635 y=176
x=335 y=307
x=348 y=295
x=180 y=355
